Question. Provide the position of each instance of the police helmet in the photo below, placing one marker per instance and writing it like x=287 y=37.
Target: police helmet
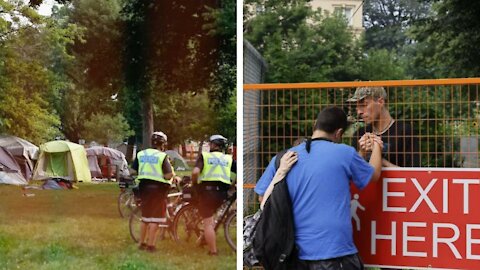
x=218 y=140
x=158 y=138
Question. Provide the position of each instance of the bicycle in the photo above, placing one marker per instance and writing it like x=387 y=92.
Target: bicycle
x=174 y=200
x=126 y=202
x=187 y=222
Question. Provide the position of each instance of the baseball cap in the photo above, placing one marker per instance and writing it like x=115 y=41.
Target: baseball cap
x=363 y=92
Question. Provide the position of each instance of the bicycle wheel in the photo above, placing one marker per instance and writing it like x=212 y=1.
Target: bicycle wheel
x=187 y=224
x=134 y=224
x=230 y=230
x=126 y=203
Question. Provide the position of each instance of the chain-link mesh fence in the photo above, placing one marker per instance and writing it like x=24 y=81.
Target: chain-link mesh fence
x=444 y=116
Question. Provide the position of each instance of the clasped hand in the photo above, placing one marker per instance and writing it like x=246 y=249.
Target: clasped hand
x=367 y=141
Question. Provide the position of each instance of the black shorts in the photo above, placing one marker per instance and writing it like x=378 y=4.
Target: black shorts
x=153 y=195
x=211 y=196
x=348 y=262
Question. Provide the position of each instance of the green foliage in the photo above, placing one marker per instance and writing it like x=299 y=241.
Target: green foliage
x=447 y=40
x=226 y=120
x=387 y=22
x=105 y=129
x=170 y=58
x=15 y=15
x=221 y=24
x=92 y=71
x=184 y=116
x=381 y=64
x=28 y=86
x=301 y=45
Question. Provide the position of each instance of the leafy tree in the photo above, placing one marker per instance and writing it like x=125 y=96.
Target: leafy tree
x=15 y=15
x=28 y=86
x=106 y=129
x=221 y=24
x=380 y=64
x=95 y=68
x=387 y=22
x=301 y=45
x=184 y=116
x=226 y=120
x=447 y=40
x=174 y=48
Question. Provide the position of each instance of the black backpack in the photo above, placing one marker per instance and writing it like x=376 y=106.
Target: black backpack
x=270 y=233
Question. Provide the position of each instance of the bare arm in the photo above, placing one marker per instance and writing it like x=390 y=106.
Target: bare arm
x=195 y=174
x=286 y=162
x=386 y=163
x=376 y=158
x=168 y=176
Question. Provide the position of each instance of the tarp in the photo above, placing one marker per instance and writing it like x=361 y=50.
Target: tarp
x=19 y=147
x=51 y=184
x=10 y=172
x=179 y=163
x=23 y=151
x=62 y=159
x=116 y=157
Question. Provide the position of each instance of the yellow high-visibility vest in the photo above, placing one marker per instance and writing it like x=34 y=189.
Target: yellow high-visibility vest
x=150 y=165
x=216 y=167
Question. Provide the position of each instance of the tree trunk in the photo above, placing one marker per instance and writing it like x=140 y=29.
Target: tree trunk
x=147 y=122
x=184 y=149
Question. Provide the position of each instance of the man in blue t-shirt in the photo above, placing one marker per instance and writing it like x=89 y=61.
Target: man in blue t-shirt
x=319 y=187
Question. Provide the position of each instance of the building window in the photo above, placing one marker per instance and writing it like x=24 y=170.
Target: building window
x=346 y=11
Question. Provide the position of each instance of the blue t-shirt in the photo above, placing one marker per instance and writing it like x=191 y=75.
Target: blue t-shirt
x=266 y=178
x=319 y=186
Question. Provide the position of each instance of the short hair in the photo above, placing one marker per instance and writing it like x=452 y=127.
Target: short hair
x=330 y=119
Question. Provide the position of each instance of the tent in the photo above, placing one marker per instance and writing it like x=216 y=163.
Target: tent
x=115 y=157
x=62 y=159
x=178 y=162
x=10 y=172
x=23 y=151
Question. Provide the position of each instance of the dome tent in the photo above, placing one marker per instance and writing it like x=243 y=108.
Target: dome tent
x=62 y=159
x=115 y=156
x=10 y=172
x=23 y=151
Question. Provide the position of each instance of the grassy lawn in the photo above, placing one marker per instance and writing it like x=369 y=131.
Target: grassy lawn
x=81 y=229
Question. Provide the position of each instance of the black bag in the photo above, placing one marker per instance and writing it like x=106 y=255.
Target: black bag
x=269 y=235
x=250 y=225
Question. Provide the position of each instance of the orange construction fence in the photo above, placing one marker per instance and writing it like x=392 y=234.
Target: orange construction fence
x=444 y=113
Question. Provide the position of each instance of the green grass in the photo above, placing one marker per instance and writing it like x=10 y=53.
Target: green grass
x=81 y=229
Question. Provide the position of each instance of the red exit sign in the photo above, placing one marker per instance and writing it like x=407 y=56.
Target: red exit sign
x=419 y=217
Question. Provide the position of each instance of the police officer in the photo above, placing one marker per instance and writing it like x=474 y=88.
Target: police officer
x=154 y=172
x=212 y=174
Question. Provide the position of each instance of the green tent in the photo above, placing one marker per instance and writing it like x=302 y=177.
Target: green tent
x=62 y=159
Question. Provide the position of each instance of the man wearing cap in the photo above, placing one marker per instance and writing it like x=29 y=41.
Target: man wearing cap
x=154 y=172
x=400 y=144
x=212 y=175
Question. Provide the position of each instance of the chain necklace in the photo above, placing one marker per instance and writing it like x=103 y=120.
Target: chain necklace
x=385 y=129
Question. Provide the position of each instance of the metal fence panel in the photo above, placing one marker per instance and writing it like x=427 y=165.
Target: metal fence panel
x=445 y=115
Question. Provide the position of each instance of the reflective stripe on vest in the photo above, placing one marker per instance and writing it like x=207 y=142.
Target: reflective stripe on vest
x=216 y=167
x=150 y=163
